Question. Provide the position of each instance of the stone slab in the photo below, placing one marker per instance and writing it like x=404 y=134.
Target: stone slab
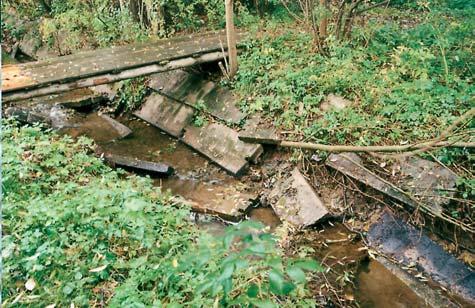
x=139 y=165
x=222 y=145
x=407 y=245
x=295 y=201
x=166 y=114
x=121 y=129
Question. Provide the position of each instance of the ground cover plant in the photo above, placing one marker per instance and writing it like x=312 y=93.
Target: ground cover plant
x=407 y=69
x=77 y=232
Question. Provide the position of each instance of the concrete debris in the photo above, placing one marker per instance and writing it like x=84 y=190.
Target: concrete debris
x=49 y=115
x=351 y=165
x=166 y=114
x=197 y=91
x=294 y=201
x=413 y=248
x=222 y=145
x=120 y=128
x=335 y=102
x=429 y=182
x=139 y=165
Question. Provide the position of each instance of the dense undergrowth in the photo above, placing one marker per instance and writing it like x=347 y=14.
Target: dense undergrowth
x=408 y=70
x=77 y=232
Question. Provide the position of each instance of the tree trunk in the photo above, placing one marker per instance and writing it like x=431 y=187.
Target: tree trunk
x=324 y=21
x=231 y=38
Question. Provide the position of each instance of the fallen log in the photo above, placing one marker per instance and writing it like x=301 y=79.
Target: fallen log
x=140 y=165
x=113 y=77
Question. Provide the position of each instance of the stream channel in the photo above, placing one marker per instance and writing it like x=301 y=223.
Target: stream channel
x=199 y=181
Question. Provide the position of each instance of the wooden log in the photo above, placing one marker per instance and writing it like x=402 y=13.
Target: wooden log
x=112 y=77
x=139 y=165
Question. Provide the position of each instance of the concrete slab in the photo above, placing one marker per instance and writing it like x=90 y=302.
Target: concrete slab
x=120 y=128
x=429 y=182
x=229 y=200
x=139 y=165
x=222 y=145
x=351 y=165
x=166 y=114
x=407 y=245
x=295 y=201
x=196 y=90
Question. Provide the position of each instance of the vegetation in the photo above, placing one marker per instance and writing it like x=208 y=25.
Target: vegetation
x=77 y=232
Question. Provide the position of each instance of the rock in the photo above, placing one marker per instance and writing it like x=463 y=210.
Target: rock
x=107 y=90
x=295 y=201
x=139 y=165
x=429 y=182
x=335 y=102
x=166 y=114
x=257 y=132
x=120 y=128
x=222 y=145
x=410 y=246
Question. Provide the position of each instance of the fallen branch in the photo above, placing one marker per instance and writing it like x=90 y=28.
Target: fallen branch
x=410 y=148
x=350 y=148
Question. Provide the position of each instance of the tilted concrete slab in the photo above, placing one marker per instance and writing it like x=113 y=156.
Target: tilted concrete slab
x=407 y=245
x=120 y=128
x=166 y=114
x=139 y=165
x=295 y=201
x=194 y=89
x=429 y=182
x=222 y=145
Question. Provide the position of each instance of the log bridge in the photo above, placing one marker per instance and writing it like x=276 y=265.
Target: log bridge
x=108 y=65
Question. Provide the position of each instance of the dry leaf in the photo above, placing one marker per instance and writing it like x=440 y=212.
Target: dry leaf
x=98 y=269
x=30 y=284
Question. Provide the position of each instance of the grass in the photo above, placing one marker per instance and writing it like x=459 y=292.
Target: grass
x=77 y=232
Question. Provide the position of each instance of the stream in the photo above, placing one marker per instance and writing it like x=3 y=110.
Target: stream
x=198 y=180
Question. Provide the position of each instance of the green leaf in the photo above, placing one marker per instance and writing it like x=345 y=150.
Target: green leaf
x=264 y=304
x=253 y=290
x=296 y=274
x=276 y=282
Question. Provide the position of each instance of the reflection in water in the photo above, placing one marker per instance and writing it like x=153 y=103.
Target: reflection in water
x=378 y=287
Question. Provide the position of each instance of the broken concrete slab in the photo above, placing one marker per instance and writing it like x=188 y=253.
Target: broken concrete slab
x=120 y=128
x=295 y=201
x=410 y=246
x=166 y=114
x=196 y=90
x=229 y=200
x=222 y=145
x=429 y=182
x=255 y=131
x=335 y=102
x=351 y=165
x=139 y=165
